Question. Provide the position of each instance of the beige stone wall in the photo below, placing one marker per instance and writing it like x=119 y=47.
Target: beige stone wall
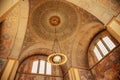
x=104 y=10
x=8 y=30
x=13 y=30
x=23 y=8
x=109 y=67
x=114 y=28
x=6 y=6
x=10 y=69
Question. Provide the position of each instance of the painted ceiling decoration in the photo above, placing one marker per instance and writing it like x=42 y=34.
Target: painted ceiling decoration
x=45 y=15
x=54 y=13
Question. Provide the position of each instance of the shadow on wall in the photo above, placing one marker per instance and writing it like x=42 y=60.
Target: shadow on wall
x=1 y=23
x=2 y=60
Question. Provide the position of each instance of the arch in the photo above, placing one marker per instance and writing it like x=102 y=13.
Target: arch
x=108 y=48
x=79 y=52
x=22 y=14
x=26 y=54
x=36 y=66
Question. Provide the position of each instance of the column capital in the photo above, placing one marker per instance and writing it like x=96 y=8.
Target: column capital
x=12 y=58
x=10 y=69
x=74 y=73
x=113 y=27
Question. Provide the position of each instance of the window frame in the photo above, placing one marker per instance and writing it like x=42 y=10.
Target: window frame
x=38 y=67
x=104 y=44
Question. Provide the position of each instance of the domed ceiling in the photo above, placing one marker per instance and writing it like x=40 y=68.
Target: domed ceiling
x=51 y=14
x=46 y=15
x=69 y=20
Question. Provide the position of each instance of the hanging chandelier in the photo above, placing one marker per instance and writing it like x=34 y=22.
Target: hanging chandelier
x=57 y=57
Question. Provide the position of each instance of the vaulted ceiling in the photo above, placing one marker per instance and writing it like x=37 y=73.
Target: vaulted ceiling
x=75 y=28
x=76 y=22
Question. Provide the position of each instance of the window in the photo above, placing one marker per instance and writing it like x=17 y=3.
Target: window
x=103 y=47
x=48 y=68
x=41 y=67
x=34 y=67
x=97 y=53
x=109 y=43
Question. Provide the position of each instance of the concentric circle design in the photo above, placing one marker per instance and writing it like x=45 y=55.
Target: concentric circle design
x=54 y=13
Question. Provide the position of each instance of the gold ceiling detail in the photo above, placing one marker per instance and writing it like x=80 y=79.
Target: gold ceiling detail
x=55 y=20
x=51 y=13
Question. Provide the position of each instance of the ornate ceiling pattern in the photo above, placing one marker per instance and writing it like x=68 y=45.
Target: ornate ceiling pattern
x=51 y=14
x=45 y=15
x=68 y=19
x=48 y=14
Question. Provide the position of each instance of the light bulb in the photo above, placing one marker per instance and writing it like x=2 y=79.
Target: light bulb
x=57 y=59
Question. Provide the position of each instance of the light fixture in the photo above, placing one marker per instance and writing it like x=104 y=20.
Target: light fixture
x=57 y=57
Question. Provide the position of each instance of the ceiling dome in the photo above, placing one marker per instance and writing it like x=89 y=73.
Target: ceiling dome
x=54 y=13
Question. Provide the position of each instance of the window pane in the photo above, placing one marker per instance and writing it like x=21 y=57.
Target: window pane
x=42 y=67
x=108 y=42
x=34 y=66
x=99 y=57
x=102 y=48
x=48 y=68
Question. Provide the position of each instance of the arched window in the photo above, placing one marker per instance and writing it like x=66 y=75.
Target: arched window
x=41 y=67
x=103 y=47
x=36 y=67
x=100 y=47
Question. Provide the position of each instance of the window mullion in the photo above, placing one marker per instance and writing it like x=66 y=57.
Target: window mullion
x=45 y=67
x=35 y=66
x=105 y=45
x=99 y=50
x=94 y=58
x=38 y=66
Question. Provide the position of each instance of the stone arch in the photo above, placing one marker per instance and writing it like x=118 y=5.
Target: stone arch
x=22 y=17
x=79 y=53
x=26 y=54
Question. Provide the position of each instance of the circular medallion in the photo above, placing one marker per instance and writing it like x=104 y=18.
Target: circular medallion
x=54 y=13
x=54 y=20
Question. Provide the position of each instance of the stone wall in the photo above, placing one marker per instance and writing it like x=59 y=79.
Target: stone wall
x=8 y=30
x=66 y=76
x=85 y=75
x=109 y=67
